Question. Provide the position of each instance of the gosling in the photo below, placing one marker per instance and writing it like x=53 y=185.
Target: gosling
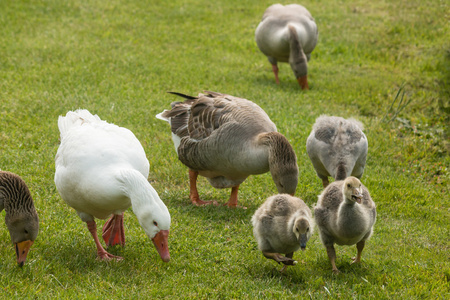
x=337 y=147
x=345 y=215
x=282 y=224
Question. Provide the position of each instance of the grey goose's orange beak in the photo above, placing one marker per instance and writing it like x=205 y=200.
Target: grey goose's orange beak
x=22 y=249
x=303 y=81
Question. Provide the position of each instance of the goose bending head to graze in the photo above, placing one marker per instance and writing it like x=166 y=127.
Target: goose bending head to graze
x=101 y=170
x=337 y=147
x=288 y=34
x=226 y=139
x=282 y=224
x=345 y=214
x=20 y=214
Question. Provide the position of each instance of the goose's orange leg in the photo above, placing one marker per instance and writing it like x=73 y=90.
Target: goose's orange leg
x=232 y=203
x=275 y=72
x=193 y=192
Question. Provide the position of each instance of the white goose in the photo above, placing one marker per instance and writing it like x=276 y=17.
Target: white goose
x=226 y=139
x=288 y=34
x=101 y=169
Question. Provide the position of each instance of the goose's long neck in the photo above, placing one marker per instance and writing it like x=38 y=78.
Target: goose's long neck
x=15 y=197
x=341 y=172
x=282 y=162
x=297 y=58
x=143 y=196
x=281 y=152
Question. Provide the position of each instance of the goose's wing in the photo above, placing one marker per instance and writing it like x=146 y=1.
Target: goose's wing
x=198 y=117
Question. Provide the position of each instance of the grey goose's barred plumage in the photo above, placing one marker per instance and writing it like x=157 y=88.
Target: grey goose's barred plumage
x=226 y=139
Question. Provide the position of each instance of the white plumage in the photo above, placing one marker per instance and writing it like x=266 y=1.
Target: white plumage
x=101 y=170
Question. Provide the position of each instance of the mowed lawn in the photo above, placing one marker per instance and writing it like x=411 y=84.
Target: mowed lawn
x=386 y=63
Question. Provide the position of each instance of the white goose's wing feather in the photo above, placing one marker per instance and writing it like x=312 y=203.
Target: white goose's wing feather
x=89 y=160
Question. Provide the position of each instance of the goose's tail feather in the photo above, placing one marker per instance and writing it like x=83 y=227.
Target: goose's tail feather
x=75 y=118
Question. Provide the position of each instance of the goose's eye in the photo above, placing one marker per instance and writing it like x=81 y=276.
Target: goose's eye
x=155 y=223
x=296 y=229
x=307 y=229
x=348 y=185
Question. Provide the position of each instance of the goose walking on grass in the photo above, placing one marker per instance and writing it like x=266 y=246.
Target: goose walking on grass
x=282 y=224
x=21 y=217
x=345 y=214
x=288 y=34
x=226 y=139
x=101 y=170
x=337 y=147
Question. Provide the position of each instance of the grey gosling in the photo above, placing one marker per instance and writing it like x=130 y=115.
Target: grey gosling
x=226 y=139
x=337 y=147
x=21 y=217
x=282 y=224
x=345 y=215
x=288 y=34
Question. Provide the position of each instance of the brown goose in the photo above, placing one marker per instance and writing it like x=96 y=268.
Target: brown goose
x=282 y=224
x=345 y=215
x=288 y=34
x=226 y=139
x=21 y=217
x=337 y=147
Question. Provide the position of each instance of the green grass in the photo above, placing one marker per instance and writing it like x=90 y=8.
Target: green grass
x=118 y=59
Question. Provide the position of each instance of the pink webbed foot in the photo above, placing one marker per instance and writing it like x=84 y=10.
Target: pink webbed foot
x=113 y=231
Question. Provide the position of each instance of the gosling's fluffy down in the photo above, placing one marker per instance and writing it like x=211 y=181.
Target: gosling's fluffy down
x=345 y=215
x=337 y=147
x=282 y=224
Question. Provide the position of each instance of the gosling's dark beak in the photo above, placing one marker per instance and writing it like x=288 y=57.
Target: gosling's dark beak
x=303 y=240
x=357 y=196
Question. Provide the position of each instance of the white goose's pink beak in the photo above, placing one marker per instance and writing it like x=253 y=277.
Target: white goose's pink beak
x=161 y=244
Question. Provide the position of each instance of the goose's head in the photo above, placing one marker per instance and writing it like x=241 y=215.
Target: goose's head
x=156 y=225
x=286 y=179
x=23 y=229
x=302 y=230
x=282 y=162
x=352 y=189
